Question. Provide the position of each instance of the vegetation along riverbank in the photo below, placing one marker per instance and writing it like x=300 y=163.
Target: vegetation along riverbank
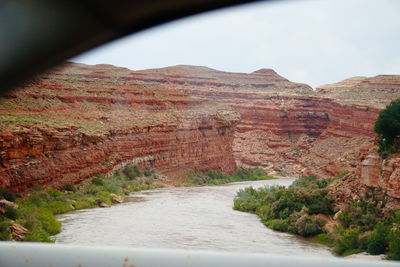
x=305 y=208
x=33 y=216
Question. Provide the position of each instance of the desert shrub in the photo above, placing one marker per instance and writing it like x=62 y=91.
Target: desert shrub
x=132 y=172
x=7 y=195
x=305 y=181
x=289 y=209
x=251 y=174
x=278 y=225
x=5 y=232
x=264 y=212
x=285 y=201
x=242 y=173
x=148 y=172
x=377 y=242
x=394 y=237
x=324 y=239
x=394 y=244
x=246 y=199
x=97 y=180
x=387 y=127
x=348 y=241
x=11 y=213
x=258 y=172
x=309 y=225
x=215 y=175
x=90 y=189
x=365 y=212
x=68 y=187
x=199 y=178
x=312 y=181
x=114 y=185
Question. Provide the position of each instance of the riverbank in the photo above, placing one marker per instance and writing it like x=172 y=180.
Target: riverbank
x=305 y=208
x=33 y=217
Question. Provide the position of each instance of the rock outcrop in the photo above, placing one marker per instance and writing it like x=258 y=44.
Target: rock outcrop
x=78 y=120
x=384 y=173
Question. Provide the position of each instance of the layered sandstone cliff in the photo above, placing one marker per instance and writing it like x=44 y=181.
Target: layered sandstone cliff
x=287 y=127
x=101 y=117
x=78 y=120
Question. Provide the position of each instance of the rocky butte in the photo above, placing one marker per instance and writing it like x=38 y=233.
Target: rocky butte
x=78 y=120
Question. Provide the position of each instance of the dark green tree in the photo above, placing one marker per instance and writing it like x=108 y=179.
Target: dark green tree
x=387 y=127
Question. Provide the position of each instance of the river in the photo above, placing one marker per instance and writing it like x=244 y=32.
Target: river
x=194 y=218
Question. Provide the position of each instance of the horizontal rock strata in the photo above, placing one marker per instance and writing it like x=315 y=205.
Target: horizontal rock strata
x=98 y=118
x=75 y=122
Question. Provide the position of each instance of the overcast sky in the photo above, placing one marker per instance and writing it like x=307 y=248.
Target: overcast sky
x=310 y=41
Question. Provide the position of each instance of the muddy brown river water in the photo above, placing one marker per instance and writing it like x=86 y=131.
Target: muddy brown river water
x=195 y=218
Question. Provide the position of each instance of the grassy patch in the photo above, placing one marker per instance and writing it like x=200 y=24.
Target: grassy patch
x=37 y=211
x=213 y=177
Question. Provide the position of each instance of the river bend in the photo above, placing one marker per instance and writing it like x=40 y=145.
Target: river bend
x=194 y=218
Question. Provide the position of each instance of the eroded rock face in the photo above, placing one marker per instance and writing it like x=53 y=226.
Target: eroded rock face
x=378 y=172
x=287 y=127
x=99 y=118
x=78 y=120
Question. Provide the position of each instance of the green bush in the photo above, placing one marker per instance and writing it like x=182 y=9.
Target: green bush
x=378 y=240
x=309 y=225
x=11 y=213
x=387 y=127
x=348 y=241
x=324 y=239
x=394 y=244
x=250 y=174
x=364 y=213
x=97 y=180
x=132 y=172
x=215 y=175
x=246 y=200
x=7 y=195
x=199 y=179
x=364 y=224
x=5 y=233
x=278 y=225
x=148 y=172
x=289 y=209
x=68 y=187
x=115 y=184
